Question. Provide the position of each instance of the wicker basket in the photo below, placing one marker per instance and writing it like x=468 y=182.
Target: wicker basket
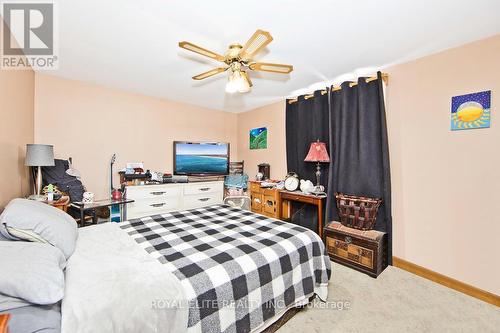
x=357 y=212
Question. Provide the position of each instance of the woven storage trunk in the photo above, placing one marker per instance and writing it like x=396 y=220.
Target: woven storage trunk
x=357 y=212
x=365 y=251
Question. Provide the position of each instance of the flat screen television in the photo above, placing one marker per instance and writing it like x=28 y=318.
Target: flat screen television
x=201 y=158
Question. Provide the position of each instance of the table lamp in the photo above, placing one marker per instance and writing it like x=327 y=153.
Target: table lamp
x=38 y=155
x=318 y=153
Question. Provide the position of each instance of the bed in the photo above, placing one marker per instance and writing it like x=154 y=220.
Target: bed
x=35 y=318
x=212 y=269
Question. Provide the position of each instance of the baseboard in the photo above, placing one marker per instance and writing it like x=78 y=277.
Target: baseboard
x=447 y=281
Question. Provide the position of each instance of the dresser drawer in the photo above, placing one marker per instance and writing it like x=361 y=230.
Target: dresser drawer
x=269 y=205
x=202 y=200
x=153 y=191
x=296 y=197
x=255 y=187
x=159 y=205
x=256 y=204
x=202 y=188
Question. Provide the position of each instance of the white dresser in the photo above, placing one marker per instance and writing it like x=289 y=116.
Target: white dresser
x=163 y=198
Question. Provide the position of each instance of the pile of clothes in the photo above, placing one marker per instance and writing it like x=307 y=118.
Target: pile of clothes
x=65 y=178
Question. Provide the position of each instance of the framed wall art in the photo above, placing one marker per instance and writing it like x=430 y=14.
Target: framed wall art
x=258 y=138
x=471 y=111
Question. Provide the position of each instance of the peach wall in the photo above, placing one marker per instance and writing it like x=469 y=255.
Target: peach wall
x=270 y=116
x=445 y=184
x=90 y=123
x=16 y=130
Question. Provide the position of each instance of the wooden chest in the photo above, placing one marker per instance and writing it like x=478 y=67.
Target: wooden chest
x=265 y=201
x=365 y=251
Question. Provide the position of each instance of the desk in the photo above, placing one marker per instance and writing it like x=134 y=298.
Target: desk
x=287 y=196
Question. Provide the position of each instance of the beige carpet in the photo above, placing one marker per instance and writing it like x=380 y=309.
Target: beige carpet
x=397 y=301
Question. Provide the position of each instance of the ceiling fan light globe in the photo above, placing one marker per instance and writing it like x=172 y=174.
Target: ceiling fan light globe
x=244 y=90
x=242 y=85
x=237 y=82
x=231 y=87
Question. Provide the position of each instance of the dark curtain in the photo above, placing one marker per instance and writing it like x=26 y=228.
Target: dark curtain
x=306 y=121
x=359 y=149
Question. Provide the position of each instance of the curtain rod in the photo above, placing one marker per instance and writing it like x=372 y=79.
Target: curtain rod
x=385 y=78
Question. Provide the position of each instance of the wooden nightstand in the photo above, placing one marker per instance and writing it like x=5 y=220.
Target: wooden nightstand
x=265 y=201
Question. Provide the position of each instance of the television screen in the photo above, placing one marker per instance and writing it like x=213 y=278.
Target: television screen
x=191 y=158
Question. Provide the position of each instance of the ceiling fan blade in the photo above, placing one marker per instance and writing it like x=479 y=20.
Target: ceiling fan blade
x=209 y=73
x=207 y=53
x=247 y=78
x=267 y=67
x=257 y=42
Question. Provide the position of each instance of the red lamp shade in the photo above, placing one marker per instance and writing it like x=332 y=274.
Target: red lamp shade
x=317 y=153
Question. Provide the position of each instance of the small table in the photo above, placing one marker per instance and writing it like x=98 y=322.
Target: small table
x=317 y=200
x=83 y=207
x=61 y=204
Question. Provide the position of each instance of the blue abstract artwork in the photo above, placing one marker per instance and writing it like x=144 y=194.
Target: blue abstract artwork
x=471 y=111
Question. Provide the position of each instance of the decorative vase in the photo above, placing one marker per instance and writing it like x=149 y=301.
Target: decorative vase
x=88 y=197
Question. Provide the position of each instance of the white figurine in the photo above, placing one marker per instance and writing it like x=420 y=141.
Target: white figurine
x=306 y=186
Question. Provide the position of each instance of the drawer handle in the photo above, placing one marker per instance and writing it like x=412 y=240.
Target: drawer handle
x=158 y=204
x=270 y=203
x=204 y=199
x=204 y=189
x=158 y=193
x=348 y=239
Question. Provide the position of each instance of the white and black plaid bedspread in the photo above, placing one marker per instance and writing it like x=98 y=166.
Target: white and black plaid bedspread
x=238 y=269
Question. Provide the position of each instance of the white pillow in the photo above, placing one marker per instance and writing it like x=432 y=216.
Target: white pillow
x=4 y=235
x=10 y=303
x=32 y=272
x=36 y=221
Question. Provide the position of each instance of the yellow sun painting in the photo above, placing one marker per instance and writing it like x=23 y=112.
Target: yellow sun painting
x=470 y=111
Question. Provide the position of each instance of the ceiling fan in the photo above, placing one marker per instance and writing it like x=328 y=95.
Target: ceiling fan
x=238 y=60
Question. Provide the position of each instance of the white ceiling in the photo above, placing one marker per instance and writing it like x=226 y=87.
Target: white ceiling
x=132 y=45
